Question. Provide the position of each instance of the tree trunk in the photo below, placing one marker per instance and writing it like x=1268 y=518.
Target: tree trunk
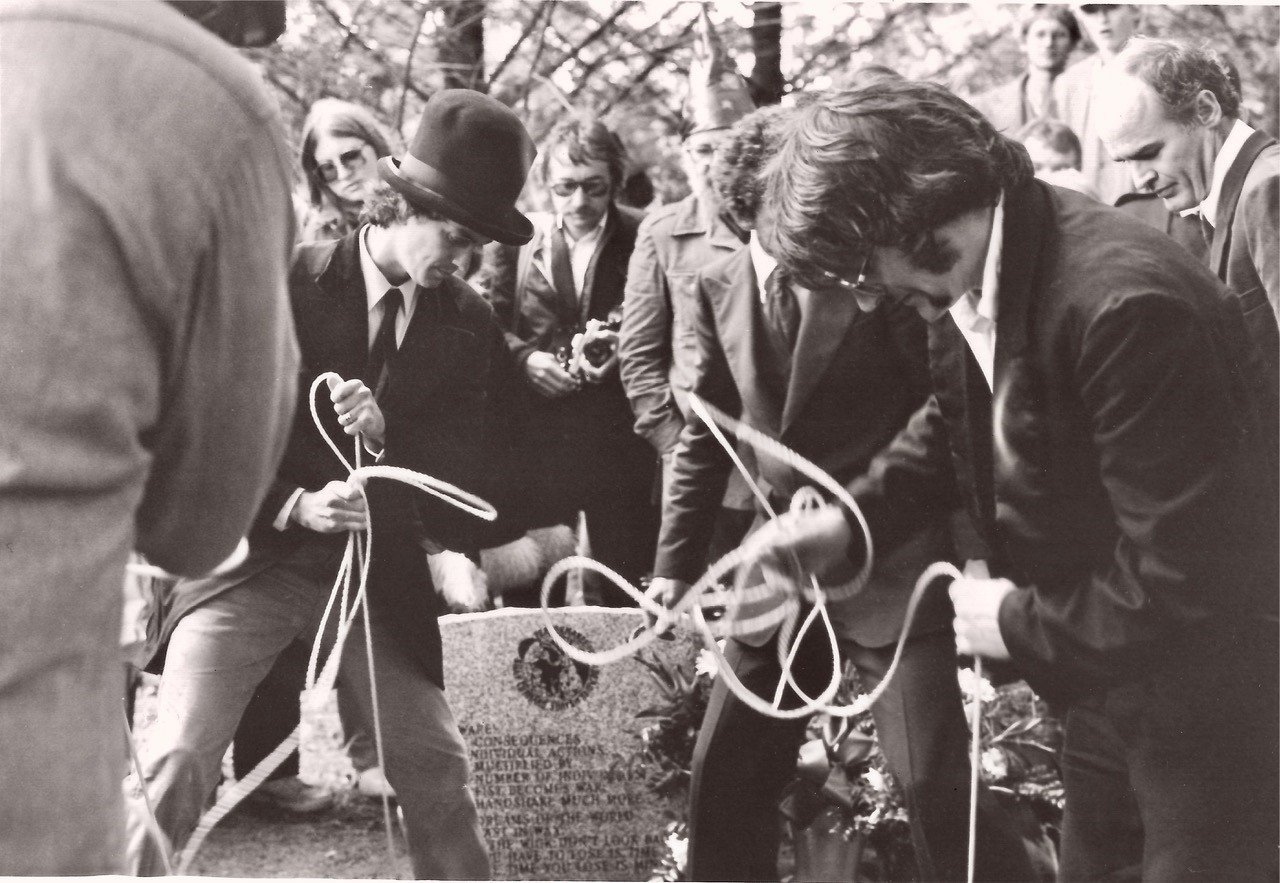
x=461 y=47
x=766 y=82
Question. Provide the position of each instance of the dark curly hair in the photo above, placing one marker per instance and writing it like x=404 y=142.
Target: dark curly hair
x=882 y=165
x=387 y=207
x=1178 y=71
x=735 y=171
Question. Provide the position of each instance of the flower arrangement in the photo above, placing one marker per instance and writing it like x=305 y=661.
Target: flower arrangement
x=846 y=815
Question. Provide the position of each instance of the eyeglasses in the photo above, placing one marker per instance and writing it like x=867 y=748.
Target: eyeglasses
x=592 y=187
x=860 y=287
x=701 y=151
x=351 y=161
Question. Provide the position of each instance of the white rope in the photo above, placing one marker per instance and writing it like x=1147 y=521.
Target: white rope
x=357 y=555
x=975 y=762
x=789 y=637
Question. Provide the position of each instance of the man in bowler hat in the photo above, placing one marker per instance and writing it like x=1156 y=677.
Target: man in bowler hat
x=422 y=359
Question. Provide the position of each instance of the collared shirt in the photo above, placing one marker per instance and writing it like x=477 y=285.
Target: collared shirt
x=376 y=287
x=1226 y=157
x=581 y=250
x=975 y=312
x=764 y=265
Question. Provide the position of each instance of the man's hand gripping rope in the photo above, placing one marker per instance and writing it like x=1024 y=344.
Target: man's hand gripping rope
x=357 y=554
x=759 y=549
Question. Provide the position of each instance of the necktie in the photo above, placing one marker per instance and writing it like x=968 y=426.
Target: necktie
x=782 y=316
x=1206 y=230
x=384 y=342
x=562 y=267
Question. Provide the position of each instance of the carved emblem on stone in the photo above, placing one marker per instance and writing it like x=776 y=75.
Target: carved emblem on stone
x=549 y=678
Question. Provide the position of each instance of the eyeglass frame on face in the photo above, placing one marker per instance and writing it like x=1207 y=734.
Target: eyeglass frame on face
x=351 y=160
x=868 y=294
x=593 y=188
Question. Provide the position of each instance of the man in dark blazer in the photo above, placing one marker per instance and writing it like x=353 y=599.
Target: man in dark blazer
x=554 y=299
x=837 y=394
x=1172 y=113
x=422 y=360
x=1120 y=472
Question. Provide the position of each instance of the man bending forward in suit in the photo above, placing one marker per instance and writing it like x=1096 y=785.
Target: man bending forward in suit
x=1099 y=407
x=809 y=368
x=421 y=356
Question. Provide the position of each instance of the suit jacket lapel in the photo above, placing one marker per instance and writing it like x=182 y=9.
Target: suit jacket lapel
x=823 y=327
x=343 y=280
x=588 y=281
x=735 y=298
x=1232 y=184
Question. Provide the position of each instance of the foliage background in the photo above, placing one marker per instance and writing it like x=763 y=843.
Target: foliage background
x=627 y=59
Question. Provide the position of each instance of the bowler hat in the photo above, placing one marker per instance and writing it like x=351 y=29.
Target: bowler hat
x=467 y=162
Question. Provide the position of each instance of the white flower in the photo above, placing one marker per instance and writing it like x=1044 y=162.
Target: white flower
x=875 y=779
x=679 y=847
x=706 y=662
x=971 y=684
x=994 y=764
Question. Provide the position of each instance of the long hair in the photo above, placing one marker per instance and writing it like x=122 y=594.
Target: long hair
x=882 y=165
x=586 y=139
x=341 y=119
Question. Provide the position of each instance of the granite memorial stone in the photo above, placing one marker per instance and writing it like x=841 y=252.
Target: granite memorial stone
x=552 y=740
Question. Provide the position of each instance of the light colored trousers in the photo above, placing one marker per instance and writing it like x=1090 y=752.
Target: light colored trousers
x=221 y=651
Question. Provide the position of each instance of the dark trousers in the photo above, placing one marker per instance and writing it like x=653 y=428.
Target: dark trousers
x=272 y=714
x=744 y=760
x=1175 y=777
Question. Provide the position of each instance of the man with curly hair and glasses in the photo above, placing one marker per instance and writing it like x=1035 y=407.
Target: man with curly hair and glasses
x=806 y=366
x=1099 y=407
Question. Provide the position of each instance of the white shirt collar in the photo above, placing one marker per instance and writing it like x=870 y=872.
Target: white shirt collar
x=980 y=306
x=1226 y=157
x=592 y=235
x=376 y=285
x=761 y=262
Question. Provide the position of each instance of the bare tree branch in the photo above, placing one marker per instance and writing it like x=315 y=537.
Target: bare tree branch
x=524 y=35
x=533 y=65
x=408 y=66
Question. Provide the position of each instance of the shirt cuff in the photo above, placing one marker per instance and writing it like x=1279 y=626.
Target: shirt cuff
x=282 y=519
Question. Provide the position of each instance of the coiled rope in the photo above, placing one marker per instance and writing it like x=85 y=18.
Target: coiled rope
x=801 y=588
x=356 y=558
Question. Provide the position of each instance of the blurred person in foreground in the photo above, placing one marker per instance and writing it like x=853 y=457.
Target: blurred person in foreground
x=1098 y=405
x=1171 y=115
x=1049 y=35
x=148 y=354
x=807 y=367
x=422 y=362
x=657 y=343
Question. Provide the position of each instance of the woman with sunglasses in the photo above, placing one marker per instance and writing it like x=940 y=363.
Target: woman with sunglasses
x=341 y=146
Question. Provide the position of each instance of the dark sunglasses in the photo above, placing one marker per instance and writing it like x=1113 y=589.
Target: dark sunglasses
x=351 y=160
x=592 y=187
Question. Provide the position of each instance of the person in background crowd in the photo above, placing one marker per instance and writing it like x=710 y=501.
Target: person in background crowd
x=422 y=361
x=1100 y=407
x=1055 y=154
x=1171 y=114
x=1076 y=92
x=1049 y=35
x=657 y=344
x=574 y=431
x=806 y=366
x=143 y=254
x=341 y=146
